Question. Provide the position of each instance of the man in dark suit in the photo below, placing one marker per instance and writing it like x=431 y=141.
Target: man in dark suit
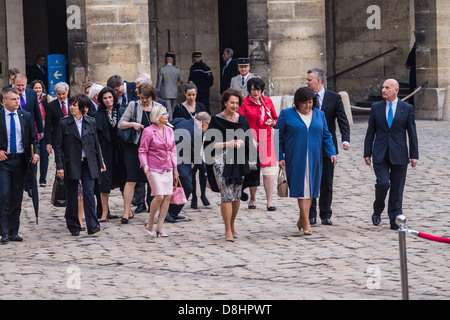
x=229 y=69
x=189 y=139
x=17 y=135
x=38 y=71
x=331 y=104
x=385 y=145
x=57 y=109
x=29 y=102
x=126 y=91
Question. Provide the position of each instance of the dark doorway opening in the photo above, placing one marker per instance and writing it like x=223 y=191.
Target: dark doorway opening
x=45 y=29
x=233 y=30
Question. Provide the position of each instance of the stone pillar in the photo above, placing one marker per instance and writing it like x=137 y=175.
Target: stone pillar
x=296 y=42
x=3 y=46
x=432 y=57
x=117 y=39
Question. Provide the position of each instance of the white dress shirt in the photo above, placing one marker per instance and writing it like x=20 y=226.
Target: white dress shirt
x=394 y=107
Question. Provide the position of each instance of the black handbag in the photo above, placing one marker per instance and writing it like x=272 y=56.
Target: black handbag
x=128 y=135
x=58 y=193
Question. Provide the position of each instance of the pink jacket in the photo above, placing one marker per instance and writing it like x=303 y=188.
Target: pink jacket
x=157 y=152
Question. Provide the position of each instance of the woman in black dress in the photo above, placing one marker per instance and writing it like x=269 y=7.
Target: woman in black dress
x=136 y=116
x=107 y=119
x=188 y=110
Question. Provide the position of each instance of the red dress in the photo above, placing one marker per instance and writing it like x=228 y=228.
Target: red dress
x=257 y=113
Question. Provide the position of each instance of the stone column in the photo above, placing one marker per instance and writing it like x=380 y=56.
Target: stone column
x=432 y=57
x=117 y=39
x=296 y=42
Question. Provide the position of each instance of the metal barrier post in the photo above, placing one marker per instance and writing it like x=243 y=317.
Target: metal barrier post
x=401 y=221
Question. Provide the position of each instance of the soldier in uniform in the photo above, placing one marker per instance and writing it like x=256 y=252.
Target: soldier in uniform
x=201 y=75
x=240 y=81
x=169 y=77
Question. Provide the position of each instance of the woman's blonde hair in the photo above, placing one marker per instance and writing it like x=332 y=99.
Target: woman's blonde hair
x=157 y=113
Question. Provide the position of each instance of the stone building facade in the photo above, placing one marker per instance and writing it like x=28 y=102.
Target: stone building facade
x=282 y=38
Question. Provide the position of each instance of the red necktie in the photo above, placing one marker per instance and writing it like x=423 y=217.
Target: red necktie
x=64 y=110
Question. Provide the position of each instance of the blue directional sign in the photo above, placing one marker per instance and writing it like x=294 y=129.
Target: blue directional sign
x=56 y=64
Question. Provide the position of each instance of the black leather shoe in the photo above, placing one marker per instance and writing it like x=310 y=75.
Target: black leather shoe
x=376 y=220
x=170 y=219
x=30 y=192
x=178 y=217
x=194 y=203
x=93 y=230
x=15 y=237
x=327 y=222
x=5 y=239
x=140 y=208
x=271 y=208
x=394 y=226
x=75 y=233
x=111 y=217
x=312 y=221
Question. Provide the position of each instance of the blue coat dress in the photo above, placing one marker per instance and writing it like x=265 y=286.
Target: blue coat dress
x=295 y=139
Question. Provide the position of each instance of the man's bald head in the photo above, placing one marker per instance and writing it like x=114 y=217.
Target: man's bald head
x=390 y=89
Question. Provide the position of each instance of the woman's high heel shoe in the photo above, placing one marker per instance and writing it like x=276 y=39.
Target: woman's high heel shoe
x=307 y=232
x=151 y=233
x=161 y=233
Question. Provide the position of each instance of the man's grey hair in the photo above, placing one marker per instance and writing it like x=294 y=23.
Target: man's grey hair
x=60 y=86
x=95 y=89
x=143 y=80
x=229 y=51
x=318 y=74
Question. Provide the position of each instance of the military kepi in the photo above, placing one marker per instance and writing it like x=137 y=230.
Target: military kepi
x=243 y=61
x=170 y=55
x=196 y=54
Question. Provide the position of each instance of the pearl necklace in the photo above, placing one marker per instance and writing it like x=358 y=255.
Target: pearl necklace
x=228 y=117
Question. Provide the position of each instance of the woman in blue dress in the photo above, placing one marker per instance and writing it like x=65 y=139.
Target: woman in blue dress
x=302 y=134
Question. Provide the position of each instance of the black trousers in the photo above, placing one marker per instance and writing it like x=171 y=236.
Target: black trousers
x=12 y=181
x=185 y=172
x=326 y=192
x=389 y=178
x=202 y=177
x=73 y=224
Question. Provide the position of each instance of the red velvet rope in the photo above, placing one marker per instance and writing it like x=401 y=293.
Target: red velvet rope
x=433 y=238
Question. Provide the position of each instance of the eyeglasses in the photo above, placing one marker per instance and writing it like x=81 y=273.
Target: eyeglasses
x=165 y=114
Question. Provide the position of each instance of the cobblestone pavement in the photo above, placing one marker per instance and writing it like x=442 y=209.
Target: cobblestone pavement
x=270 y=260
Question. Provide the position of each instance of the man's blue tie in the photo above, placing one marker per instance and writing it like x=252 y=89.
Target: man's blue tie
x=390 y=115
x=12 y=135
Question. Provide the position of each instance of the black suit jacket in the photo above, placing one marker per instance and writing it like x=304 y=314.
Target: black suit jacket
x=69 y=145
x=334 y=110
x=53 y=114
x=230 y=72
x=29 y=137
x=381 y=139
x=32 y=107
x=37 y=74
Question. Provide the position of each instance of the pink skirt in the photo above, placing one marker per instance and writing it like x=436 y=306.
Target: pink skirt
x=161 y=183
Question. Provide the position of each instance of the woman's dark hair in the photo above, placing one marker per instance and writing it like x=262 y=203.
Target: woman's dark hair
x=101 y=104
x=83 y=102
x=229 y=93
x=148 y=91
x=257 y=83
x=34 y=82
x=190 y=86
x=304 y=94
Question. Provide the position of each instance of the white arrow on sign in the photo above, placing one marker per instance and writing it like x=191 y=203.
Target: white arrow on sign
x=57 y=75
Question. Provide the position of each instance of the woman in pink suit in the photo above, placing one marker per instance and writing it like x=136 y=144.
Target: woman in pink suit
x=262 y=117
x=158 y=158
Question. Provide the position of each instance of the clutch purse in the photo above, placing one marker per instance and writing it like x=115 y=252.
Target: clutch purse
x=282 y=186
x=178 y=195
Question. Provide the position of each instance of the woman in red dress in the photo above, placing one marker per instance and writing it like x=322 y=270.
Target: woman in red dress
x=262 y=117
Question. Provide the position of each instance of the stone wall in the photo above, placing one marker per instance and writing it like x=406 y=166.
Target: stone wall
x=3 y=47
x=296 y=42
x=351 y=42
x=117 y=38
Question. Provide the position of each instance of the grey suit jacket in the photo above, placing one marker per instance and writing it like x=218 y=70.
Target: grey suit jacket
x=169 y=77
x=236 y=83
